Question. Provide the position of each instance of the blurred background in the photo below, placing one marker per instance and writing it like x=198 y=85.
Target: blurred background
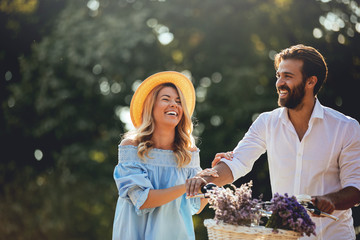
x=68 y=69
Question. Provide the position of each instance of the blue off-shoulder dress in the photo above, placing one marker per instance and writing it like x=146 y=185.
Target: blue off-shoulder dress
x=134 y=178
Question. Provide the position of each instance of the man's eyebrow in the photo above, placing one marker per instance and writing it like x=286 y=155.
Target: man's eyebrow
x=288 y=73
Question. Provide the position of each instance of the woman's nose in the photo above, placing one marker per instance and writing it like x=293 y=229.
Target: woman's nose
x=172 y=103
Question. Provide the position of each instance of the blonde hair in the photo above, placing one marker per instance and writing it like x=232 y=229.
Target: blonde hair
x=142 y=135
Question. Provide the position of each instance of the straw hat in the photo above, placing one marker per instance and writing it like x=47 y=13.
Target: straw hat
x=181 y=81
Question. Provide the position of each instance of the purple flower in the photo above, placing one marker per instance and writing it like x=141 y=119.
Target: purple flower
x=288 y=214
x=234 y=206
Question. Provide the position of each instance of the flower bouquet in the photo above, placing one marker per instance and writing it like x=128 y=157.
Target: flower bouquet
x=288 y=214
x=237 y=216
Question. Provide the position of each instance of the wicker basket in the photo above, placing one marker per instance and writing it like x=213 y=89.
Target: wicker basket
x=222 y=230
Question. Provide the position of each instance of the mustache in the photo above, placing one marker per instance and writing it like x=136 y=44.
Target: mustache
x=284 y=88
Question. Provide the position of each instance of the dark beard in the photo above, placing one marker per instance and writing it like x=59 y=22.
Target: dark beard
x=295 y=96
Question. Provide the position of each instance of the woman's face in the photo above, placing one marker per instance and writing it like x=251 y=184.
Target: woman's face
x=167 y=109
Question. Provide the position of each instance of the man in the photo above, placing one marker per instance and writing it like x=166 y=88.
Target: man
x=311 y=149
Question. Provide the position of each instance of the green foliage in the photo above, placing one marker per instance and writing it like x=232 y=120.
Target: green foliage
x=77 y=81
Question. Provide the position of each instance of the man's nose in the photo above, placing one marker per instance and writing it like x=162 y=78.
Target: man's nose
x=279 y=81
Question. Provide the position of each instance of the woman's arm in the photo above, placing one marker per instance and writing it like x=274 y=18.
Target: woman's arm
x=159 y=197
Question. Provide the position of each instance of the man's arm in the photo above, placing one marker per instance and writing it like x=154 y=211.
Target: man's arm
x=225 y=176
x=340 y=200
x=349 y=166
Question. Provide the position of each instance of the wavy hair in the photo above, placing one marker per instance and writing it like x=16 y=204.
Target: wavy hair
x=142 y=135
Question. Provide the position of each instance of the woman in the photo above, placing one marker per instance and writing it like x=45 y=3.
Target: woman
x=155 y=160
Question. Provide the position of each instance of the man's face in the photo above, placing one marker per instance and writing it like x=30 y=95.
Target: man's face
x=289 y=84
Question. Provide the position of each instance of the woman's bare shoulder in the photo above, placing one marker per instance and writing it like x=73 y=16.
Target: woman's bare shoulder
x=128 y=142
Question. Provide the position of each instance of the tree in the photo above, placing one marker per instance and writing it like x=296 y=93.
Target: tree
x=63 y=118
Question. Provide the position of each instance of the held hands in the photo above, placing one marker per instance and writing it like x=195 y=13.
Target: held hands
x=193 y=185
x=219 y=156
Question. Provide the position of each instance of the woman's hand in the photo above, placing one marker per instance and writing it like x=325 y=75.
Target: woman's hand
x=219 y=156
x=207 y=172
x=193 y=185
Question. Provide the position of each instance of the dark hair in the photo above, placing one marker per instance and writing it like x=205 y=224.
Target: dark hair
x=313 y=63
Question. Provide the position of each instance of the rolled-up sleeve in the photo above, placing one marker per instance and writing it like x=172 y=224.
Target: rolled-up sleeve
x=249 y=149
x=349 y=159
x=133 y=184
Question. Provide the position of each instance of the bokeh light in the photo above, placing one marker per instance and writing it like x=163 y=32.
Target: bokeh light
x=38 y=154
x=8 y=76
x=317 y=33
x=93 y=5
x=216 y=120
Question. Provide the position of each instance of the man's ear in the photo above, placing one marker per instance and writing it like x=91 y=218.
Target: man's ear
x=311 y=81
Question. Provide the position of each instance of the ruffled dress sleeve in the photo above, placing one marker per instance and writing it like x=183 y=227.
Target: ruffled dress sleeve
x=131 y=178
x=194 y=169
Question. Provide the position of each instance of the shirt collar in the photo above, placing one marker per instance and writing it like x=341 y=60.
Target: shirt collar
x=318 y=112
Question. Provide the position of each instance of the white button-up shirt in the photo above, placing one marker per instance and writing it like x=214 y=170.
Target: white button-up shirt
x=326 y=160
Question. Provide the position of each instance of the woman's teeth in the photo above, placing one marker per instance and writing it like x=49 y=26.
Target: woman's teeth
x=171 y=113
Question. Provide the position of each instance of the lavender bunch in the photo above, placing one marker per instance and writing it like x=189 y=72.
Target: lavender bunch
x=234 y=206
x=288 y=214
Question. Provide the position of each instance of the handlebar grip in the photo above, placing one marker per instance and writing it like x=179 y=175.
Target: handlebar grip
x=208 y=187
x=311 y=208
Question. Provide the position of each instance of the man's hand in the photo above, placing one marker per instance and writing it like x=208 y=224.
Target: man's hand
x=219 y=156
x=208 y=172
x=323 y=203
x=341 y=200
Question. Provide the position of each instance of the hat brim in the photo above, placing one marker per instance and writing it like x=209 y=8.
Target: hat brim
x=181 y=81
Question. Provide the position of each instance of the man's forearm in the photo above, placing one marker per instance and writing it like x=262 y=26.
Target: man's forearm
x=225 y=175
x=340 y=200
x=345 y=198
